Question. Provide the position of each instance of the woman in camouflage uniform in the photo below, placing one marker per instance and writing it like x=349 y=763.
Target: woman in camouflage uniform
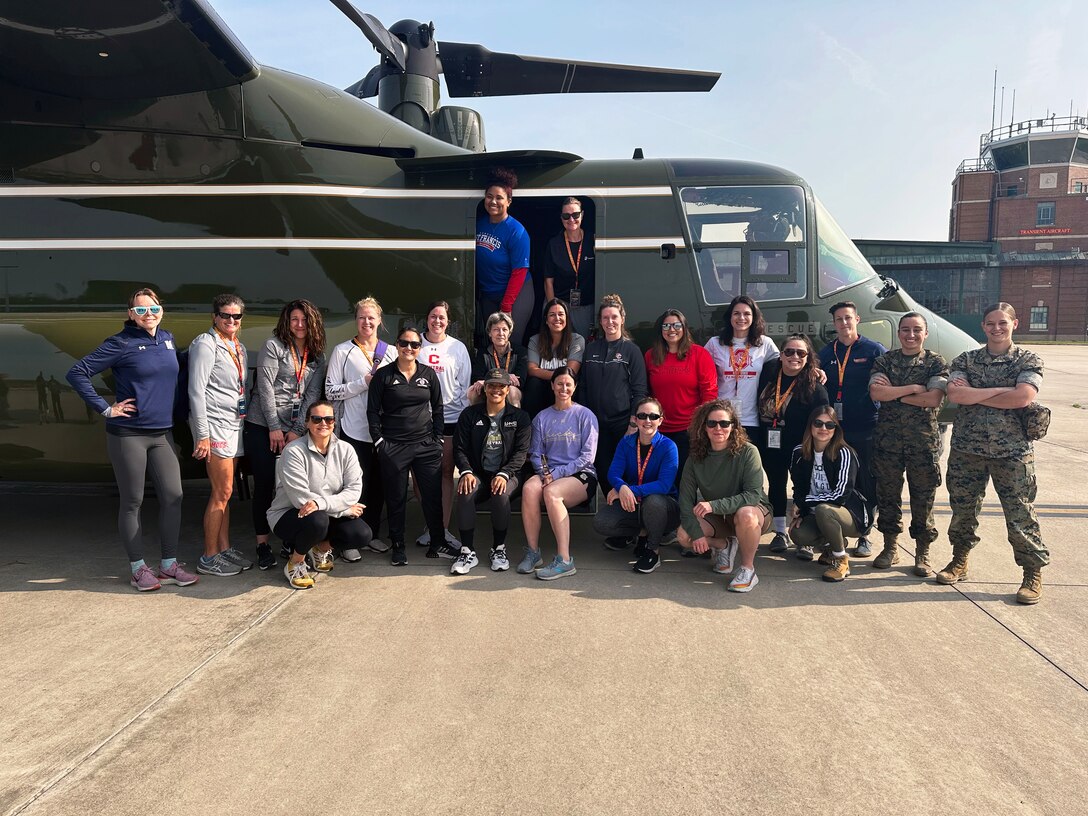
x=989 y=442
x=909 y=383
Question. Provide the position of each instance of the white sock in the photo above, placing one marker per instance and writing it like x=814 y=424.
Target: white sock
x=780 y=524
x=839 y=554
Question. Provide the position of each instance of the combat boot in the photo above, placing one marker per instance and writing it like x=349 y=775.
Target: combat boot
x=957 y=568
x=1031 y=590
x=921 y=560
x=890 y=554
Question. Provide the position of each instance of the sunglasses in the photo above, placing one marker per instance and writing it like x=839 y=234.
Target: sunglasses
x=675 y=326
x=412 y=344
x=720 y=423
x=140 y=311
x=794 y=352
x=229 y=315
x=322 y=420
x=644 y=416
x=571 y=216
x=824 y=423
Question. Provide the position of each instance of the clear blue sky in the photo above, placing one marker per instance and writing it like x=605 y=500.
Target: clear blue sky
x=875 y=104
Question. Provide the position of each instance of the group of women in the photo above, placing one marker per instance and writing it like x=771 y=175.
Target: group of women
x=679 y=437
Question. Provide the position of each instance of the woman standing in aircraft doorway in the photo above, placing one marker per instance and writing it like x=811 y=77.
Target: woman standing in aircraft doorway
x=503 y=283
x=289 y=377
x=569 y=267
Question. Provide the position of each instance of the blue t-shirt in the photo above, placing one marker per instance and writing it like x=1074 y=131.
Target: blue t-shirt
x=859 y=410
x=500 y=249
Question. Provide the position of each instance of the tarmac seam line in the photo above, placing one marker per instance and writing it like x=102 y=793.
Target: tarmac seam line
x=64 y=774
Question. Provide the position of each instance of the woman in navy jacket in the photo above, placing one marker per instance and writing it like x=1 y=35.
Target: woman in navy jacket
x=643 y=494
x=139 y=441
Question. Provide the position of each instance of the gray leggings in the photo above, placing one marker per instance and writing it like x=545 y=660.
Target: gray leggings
x=656 y=513
x=133 y=457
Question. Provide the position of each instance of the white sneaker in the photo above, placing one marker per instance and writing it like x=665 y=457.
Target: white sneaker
x=499 y=561
x=744 y=580
x=465 y=562
x=723 y=558
x=351 y=555
x=425 y=540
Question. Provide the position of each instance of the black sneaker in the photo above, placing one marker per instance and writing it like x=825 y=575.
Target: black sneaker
x=399 y=557
x=641 y=548
x=616 y=543
x=443 y=550
x=779 y=544
x=265 y=559
x=285 y=553
x=648 y=562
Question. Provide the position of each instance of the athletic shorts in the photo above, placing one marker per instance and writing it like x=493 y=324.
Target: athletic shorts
x=589 y=480
x=226 y=441
x=724 y=527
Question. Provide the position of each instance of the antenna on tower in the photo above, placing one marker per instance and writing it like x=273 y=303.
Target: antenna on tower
x=1012 y=112
x=993 y=110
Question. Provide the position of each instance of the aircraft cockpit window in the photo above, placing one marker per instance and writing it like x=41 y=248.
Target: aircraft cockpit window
x=841 y=264
x=748 y=239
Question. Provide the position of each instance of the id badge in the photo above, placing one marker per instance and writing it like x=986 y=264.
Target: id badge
x=774 y=438
x=242 y=406
x=838 y=411
x=296 y=409
x=575 y=298
x=737 y=410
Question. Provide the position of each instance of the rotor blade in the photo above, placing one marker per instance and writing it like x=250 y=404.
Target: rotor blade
x=388 y=46
x=472 y=70
x=368 y=85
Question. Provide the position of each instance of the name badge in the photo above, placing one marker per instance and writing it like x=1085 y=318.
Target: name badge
x=575 y=298
x=241 y=406
x=296 y=409
x=838 y=411
x=774 y=438
x=737 y=409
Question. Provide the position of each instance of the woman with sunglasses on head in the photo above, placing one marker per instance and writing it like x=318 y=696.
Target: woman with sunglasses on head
x=217 y=407
x=789 y=388
x=827 y=506
x=499 y=352
x=556 y=346
x=139 y=441
x=725 y=470
x=569 y=266
x=740 y=352
x=316 y=506
x=288 y=379
x=613 y=380
x=643 y=494
x=682 y=375
x=404 y=410
x=347 y=383
x=563 y=445
x=448 y=358
x=503 y=282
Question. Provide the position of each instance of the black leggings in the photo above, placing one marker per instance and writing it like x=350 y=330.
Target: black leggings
x=133 y=458
x=424 y=459
x=262 y=464
x=373 y=490
x=481 y=496
x=300 y=534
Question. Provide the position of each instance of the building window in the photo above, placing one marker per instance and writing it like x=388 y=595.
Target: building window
x=1078 y=186
x=1011 y=190
x=1038 y=318
x=1044 y=214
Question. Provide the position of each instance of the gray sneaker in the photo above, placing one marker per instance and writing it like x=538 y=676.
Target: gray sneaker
x=530 y=561
x=723 y=558
x=557 y=569
x=378 y=546
x=864 y=548
x=217 y=565
x=234 y=555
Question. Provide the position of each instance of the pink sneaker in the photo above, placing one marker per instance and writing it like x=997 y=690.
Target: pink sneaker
x=177 y=576
x=144 y=579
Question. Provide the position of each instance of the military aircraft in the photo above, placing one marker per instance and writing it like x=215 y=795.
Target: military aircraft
x=143 y=145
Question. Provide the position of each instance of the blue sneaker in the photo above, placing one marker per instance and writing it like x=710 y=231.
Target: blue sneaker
x=530 y=561
x=557 y=569
x=864 y=548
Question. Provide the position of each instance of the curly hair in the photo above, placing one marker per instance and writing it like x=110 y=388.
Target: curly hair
x=697 y=435
x=505 y=178
x=659 y=349
x=808 y=377
x=755 y=331
x=315 y=327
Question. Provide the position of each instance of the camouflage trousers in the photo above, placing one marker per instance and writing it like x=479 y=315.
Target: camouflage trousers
x=919 y=458
x=1014 y=480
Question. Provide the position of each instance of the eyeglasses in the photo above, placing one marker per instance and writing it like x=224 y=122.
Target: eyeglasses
x=229 y=315
x=674 y=326
x=412 y=344
x=571 y=216
x=823 y=423
x=644 y=416
x=794 y=352
x=140 y=311
x=322 y=420
x=720 y=423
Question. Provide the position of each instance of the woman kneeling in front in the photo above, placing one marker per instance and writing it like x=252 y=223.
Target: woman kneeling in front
x=318 y=485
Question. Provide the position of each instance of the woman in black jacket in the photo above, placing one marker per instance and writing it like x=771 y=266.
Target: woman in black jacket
x=489 y=448
x=827 y=504
x=499 y=353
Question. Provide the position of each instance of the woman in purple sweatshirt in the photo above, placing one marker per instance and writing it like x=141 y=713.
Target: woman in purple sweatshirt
x=561 y=453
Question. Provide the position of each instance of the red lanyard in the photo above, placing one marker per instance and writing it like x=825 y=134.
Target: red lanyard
x=575 y=264
x=236 y=355
x=780 y=398
x=738 y=359
x=842 y=365
x=300 y=368
x=495 y=356
x=638 y=458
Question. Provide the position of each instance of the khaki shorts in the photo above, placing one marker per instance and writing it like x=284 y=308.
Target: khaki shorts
x=724 y=527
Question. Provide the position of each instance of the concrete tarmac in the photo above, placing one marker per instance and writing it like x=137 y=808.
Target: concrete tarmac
x=407 y=690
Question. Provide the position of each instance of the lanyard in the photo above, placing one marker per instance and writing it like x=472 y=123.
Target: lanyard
x=738 y=359
x=638 y=458
x=368 y=357
x=300 y=368
x=575 y=264
x=841 y=365
x=236 y=355
x=495 y=356
x=780 y=398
